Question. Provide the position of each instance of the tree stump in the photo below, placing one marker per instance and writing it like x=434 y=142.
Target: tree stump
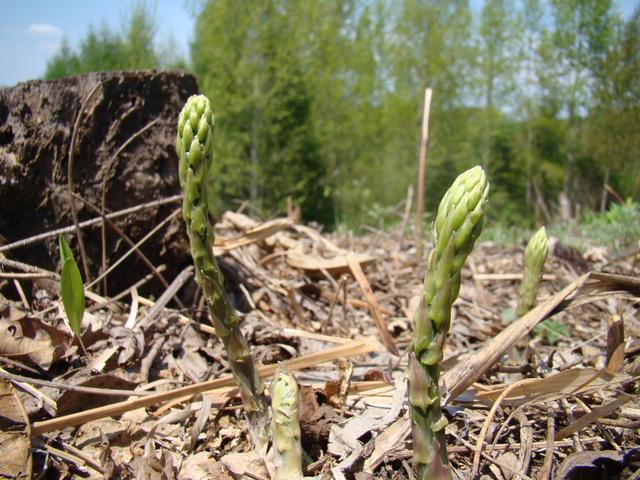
x=112 y=162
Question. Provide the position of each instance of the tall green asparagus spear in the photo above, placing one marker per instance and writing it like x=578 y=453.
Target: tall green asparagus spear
x=534 y=257
x=195 y=151
x=285 y=427
x=457 y=226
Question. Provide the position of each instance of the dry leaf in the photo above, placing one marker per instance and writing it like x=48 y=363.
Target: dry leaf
x=592 y=416
x=31 y=339
x=240 y=463
x=15 y=455
x=315 y=420
x=615 y=343
x=510 y=460
x=151 y=467
x=337 y=390
x=314 y=264
x=253 y=235
x=568 y=381
x=130 y=341
x=202 y=465
x=390 y=440
x=10 y=403
x=200 y=423
x=603 y=464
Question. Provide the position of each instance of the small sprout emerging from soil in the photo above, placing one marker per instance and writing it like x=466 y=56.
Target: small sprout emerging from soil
x=534 y=257
x=194 y=145
x=456 y=228
x=71 y=289
x=285 y=426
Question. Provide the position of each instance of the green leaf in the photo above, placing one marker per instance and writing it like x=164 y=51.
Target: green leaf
x=65 y=250
x=553 y=331
x=71 y=287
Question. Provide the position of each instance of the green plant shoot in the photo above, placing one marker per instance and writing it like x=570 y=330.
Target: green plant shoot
x=194 y=145
x=534 y=257
x=456 y=228
x=71 y=287
x=285 y=426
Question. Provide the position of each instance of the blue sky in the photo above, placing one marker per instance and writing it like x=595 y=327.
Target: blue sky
x=31 y=30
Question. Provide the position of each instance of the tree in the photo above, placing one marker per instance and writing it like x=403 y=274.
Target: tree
x=63 y=63
x=103 y=49
x=582 y=31
x=611 y=136
x=431 y=47
x=529 y=93
x=498 y=59
x=265 y=145
x=138 y=38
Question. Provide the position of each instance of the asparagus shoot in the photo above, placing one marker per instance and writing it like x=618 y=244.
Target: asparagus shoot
x=285 y=426
x=195 y=152
x=534 y=257
x=457 y=225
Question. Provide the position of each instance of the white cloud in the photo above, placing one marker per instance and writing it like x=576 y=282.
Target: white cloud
x=50 y=47
x=44 y=29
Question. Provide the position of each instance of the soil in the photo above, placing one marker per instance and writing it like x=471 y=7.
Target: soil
x=37 y=125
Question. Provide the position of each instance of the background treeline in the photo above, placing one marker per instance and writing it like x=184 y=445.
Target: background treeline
x=322 y=100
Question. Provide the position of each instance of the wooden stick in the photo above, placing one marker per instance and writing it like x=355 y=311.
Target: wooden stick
x=168 y=294
x=24 y=276
x=88 y=223
x=406 y=215
x=72 y=203
x=613 y=193
x=471 y=369
x=422 y=166
x=360 y=277
x=545 y=471
x=315 y=336
x=76 y=388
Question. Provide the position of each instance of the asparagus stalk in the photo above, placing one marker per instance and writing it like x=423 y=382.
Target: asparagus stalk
x=534 y=257
x=195 y=152
x=285 y=426
x=457 y=225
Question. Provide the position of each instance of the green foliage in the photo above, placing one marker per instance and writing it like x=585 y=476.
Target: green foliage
x=551 y=331
x=617 y=228
x=63 y=63
x=610 y=132
x=102 y=49
x=267 y=145
x=321 y=101
x=71 y=287
x=139 y=51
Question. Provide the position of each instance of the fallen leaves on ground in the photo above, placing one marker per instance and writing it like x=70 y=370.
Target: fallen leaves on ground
x=298 y=299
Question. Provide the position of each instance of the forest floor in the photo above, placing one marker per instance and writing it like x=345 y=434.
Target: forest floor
x=153 y=397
